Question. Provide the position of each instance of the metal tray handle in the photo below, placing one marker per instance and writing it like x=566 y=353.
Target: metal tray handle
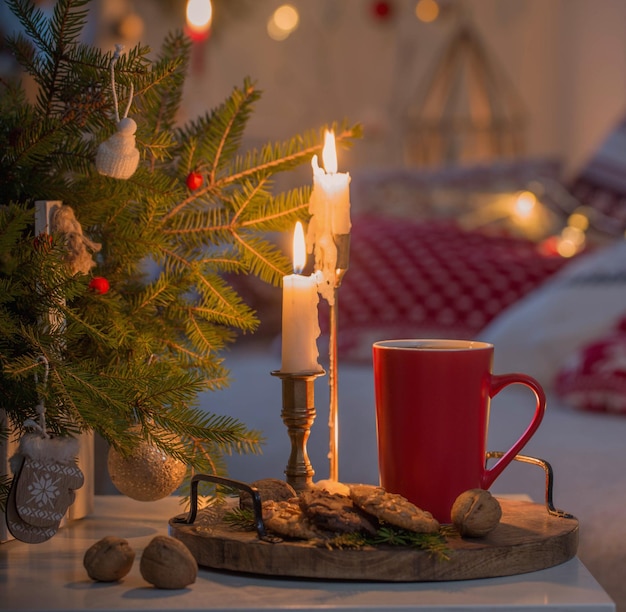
x=547 y=468
x=229 y=482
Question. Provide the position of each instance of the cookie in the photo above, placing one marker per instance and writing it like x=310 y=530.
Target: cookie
x=286 y=519
x=333 y=486
x=270 y=489
x=393 y=509
x=334 y=512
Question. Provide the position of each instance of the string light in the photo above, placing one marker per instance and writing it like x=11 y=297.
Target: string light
x=525 y=203
x=283 y=22
x=572 y=238
x=560 y=197
x=427 y=10
x=520 y=212
x=578 y=220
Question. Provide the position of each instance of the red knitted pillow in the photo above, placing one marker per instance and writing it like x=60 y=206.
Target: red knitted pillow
x=594 y=378
x=430 y=279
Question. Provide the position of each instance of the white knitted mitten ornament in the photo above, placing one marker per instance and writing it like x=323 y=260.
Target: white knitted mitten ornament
x=118 y=157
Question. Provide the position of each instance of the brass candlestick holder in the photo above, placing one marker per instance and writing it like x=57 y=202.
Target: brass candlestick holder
x=298 y=414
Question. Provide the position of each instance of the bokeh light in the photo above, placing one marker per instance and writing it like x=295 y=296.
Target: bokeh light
x=427 y=10
x=283 y=22
x=199 y=15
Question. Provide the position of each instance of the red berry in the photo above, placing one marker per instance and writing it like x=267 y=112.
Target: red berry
x=194 y=180
x=43 y=242
x=99 y=284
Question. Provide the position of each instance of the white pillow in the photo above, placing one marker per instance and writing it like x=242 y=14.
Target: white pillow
x=578 y=304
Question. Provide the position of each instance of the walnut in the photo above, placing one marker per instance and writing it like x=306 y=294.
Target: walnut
x=168 y=564
x=109 y=559
x=475 y=513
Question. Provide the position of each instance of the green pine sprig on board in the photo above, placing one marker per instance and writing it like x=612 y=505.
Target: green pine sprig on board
x=142 y=353
x=386 y=535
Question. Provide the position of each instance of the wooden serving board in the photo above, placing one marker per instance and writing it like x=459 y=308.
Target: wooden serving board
x=527 y=539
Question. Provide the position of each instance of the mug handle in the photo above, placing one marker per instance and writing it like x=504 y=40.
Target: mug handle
x=498 y=383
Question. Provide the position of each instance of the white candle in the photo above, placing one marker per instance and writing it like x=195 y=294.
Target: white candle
x=330 y=214
x=335 y=187
x=300 y=327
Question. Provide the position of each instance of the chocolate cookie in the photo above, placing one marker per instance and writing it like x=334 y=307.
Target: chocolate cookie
x=333 y=486
x=270 y=489
x=393 y=509
x=334 y=512
x=287 y=519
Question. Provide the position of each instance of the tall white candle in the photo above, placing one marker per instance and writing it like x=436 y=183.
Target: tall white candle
x=335 y=187
x=330 y=214
x=300 y=326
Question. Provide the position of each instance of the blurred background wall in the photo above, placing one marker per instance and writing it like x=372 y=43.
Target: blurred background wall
x=371 y=61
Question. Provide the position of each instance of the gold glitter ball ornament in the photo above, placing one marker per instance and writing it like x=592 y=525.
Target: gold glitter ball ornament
x=147 y=474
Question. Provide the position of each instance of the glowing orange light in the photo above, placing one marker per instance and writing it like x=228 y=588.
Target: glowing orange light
x=565 y=248
x=574 y=235
x=199 y=16
x=571 y=241
x=283 y=22
x=578 y=220
x=329 y=152
x=525 y=203
x=427 y=10
x=299 y=249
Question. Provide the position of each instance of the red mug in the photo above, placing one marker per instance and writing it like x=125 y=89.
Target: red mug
x=432 y=417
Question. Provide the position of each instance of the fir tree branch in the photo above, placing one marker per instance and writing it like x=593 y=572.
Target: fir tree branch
x=218 y=185
x=233 y=113
x=248 y=89
x=203 y=283
x=262 y=262
x=32 y=20
x=206 y=459
x=249 y=197
x=62 y=30
x=254 y=166
x=275 y=216
x=141 y=353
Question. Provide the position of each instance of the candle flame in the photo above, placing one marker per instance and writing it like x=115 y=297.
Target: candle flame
x=329 y=152
x=316 y=167
x=299 y=249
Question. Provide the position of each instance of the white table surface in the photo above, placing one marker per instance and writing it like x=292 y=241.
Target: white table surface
x=50 y=576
